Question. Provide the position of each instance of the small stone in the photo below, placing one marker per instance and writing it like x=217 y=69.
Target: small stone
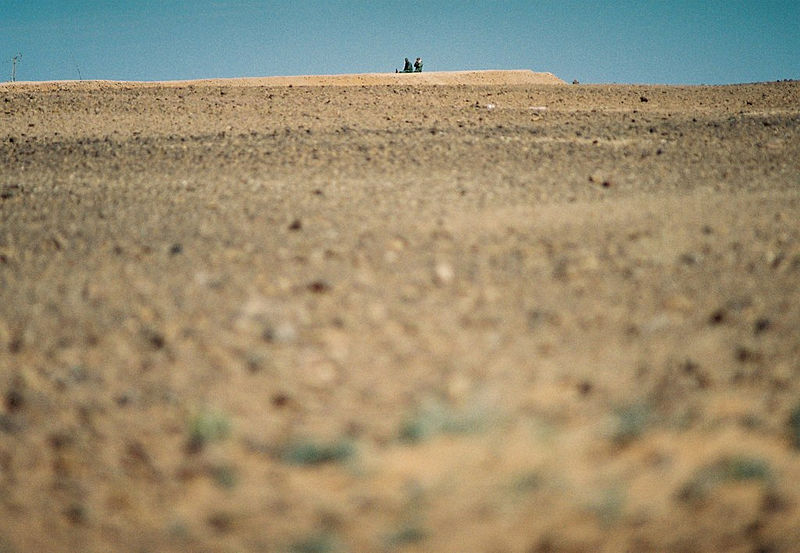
x=282 y=333
x=14 y=400
x=747 y=355
x=297 y=224
x=598 y=178
x=717 y=317
x=443 y=273
x=761 y=325
x=319 y=287
x=280 y=400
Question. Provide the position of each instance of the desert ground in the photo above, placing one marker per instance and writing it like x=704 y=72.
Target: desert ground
x=485 y=312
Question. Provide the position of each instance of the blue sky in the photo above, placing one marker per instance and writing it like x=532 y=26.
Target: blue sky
x=625 y=41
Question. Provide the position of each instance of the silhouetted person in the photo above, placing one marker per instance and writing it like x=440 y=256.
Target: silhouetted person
x=407 y=67
x=418 y=65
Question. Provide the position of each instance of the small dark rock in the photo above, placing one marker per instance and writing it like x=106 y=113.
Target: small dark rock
x=175 y=249
x=794 y=427
x=319 y=287
x=14 y=400
x=123 y=400
x=280 y=400
x=156 y=339
x=761 y=325
x=717 y=317
x=9 y=191
x=690 y=367
x=297 y=224
x=60 y=440
x=76 y=514
x=643 y=99
x=774 y=503
x=15 y=345
x=221 y=522
x=746 y=355
x=585 y=387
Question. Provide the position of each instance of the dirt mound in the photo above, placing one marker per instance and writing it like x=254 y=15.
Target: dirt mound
x=489 y=77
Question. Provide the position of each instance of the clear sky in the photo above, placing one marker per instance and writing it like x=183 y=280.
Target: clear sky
x=624 y=41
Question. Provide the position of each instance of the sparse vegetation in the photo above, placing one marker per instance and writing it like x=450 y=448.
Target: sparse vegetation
x=224 y=476
x=728 y=469
x=307 y=452
x=631 y=422
x=207 y=426
x=437 y=418
x=320 y=543
x=407 y=534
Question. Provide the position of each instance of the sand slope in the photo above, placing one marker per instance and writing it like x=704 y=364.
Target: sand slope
x=486 y=77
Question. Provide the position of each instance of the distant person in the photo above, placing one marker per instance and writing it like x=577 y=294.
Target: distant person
x=418 y=65
x=407 y=67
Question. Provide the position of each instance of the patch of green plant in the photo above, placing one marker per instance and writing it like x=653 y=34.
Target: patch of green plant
x=436 y=419
x=728 y=469
x=224 y=476
x=407 y=534
x=610 y=505
x=631 y=422
x=527 y=482
x=320 y=543
x=794 y=427
x=207 y=426
x=315 y=453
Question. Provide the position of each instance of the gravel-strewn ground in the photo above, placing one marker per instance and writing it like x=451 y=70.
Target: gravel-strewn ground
x=400 y=317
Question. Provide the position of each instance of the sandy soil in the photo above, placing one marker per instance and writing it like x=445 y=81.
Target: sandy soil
x=491 y=317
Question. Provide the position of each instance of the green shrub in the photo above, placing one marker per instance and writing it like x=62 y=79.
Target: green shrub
x=207 y=426
x=314 y=453
x=728 y=469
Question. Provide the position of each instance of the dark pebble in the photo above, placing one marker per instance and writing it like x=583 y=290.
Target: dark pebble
x=175 y=249
x=761 y=325
x=156 y=340
x=221 y=522
x=319 y=287
x=14 y=401
x=745 y=355
x=717 y=317
x=794 y=427
x=280 y=400
x=296 y=225
x=76 y=514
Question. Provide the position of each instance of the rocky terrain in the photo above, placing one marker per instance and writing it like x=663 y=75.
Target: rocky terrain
x=482 y=312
